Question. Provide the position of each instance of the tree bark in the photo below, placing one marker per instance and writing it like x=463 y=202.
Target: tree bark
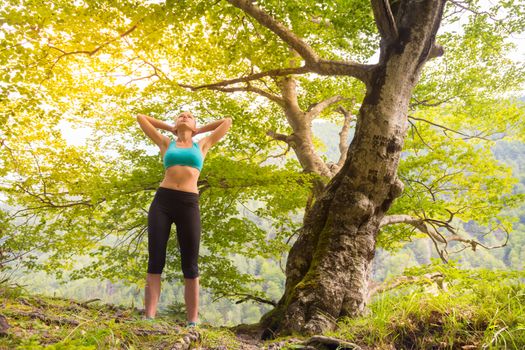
x=328 y=267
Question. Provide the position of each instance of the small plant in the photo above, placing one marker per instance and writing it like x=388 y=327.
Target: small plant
x=177 y=310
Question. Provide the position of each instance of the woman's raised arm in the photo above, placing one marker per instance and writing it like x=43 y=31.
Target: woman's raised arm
x=219 y=127
x=149 y=125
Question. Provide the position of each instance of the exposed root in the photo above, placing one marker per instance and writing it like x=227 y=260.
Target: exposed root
x=322 y=342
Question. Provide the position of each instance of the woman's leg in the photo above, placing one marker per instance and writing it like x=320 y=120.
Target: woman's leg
x=159 y=226
x=191 y=297
x=152 y=294
x=188 y=224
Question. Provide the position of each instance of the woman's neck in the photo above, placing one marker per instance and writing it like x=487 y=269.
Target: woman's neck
x=184 y=137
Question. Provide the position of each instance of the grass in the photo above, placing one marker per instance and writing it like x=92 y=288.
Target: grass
x=478 y=309
x=41 y=322
x=467 y=309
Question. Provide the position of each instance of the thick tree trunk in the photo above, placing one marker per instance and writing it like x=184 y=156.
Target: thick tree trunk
x=328 y=267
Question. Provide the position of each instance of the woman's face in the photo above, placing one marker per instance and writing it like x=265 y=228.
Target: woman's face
x=185 y=118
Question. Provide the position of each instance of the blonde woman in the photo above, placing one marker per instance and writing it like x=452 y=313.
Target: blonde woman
x=177 y=201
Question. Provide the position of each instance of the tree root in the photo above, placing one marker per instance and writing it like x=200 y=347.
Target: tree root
x=46 y=319
x=323 y=342
x=186 y=341
x=4 y=325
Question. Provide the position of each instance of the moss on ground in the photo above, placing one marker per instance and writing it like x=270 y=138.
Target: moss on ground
x=476 y=309
x=42 y=322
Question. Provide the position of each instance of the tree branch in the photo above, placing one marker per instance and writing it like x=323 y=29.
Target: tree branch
x=411 y=220
x=356 y=70
x=343 y=140
x=95 y=50
x=427 y=103
x=278 y=137
x=413 y=127
x=428 y=226
x=87 y=52
x=449 y=129
x=280 y=30
x=316 y=108
x=312 y=61
x=279 y=155
x=246 y=297
x=247 y=88
x=436 y=51
x=464 y=5
x=385 y=21
x=272 y=73
x=343 y=135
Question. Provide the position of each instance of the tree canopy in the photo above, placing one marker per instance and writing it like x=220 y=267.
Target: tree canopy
x=97 y=64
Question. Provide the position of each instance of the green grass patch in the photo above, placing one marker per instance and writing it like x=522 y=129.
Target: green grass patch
x=477 y=309
x=42 y=322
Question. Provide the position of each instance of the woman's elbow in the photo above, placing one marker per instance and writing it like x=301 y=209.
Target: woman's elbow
x=141 y=119
x=228 y=122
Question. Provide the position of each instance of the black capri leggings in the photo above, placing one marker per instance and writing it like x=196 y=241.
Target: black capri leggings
x=182 y=208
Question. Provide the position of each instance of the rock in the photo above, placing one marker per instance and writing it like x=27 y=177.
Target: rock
x=4 y=325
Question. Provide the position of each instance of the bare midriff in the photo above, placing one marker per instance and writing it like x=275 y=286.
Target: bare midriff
x=182 y=178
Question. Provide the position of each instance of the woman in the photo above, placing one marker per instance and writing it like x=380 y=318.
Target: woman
x=177 y=201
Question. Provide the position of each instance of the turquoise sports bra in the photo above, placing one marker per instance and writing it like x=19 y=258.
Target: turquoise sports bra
x=191 y=156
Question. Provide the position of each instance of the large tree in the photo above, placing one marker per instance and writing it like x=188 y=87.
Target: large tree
x=328 y=267
x=66 y=61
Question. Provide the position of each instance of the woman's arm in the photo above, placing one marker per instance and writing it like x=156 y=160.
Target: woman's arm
x=149 y=126
x=211 y=126
x=220 y=130
x=159 y=124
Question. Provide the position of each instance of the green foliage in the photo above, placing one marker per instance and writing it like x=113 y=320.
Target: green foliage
x=97 y=64
x=445 y=175
x=464 y=103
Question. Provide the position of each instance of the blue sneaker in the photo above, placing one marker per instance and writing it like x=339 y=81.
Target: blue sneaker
x=191 y=324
